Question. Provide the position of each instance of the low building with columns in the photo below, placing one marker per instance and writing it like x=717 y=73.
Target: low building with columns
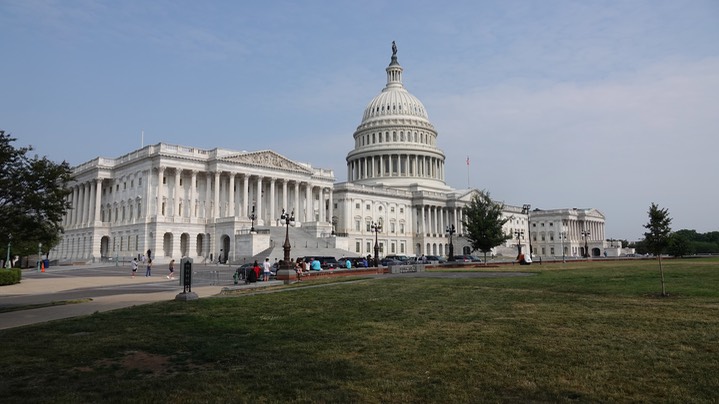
x=182 y=201
x=567 y=232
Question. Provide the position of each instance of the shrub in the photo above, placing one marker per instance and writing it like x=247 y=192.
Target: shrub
x=10 y=276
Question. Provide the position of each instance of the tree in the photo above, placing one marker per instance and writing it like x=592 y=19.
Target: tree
x=678 y=245
x=33 y=200
x=657 y=236
x=485 y=224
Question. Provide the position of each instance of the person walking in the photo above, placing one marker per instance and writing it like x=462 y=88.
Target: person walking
x=148 y=271
x=171 y=275
x=134 y=267
x=266 y=271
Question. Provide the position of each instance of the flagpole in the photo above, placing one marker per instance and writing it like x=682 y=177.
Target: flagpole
x=142 y=140
x=468 y=172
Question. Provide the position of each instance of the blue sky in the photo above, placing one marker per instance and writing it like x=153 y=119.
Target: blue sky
x=559 y=104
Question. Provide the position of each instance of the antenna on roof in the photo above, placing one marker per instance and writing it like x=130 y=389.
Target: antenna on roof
x=142 y=139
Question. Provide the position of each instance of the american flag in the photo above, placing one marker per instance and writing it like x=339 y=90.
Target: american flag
x=467 y=160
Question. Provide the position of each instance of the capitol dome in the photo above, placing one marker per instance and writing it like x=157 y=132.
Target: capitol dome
x=396 y=144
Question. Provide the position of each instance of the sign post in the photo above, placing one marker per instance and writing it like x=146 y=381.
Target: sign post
x=186 y=281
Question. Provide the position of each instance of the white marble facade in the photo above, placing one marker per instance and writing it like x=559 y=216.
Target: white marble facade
x=183 y=201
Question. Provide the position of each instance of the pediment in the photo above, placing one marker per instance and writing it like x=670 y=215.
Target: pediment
x=267 y=158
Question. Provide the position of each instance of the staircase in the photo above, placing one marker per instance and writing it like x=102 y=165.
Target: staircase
x=302 y=245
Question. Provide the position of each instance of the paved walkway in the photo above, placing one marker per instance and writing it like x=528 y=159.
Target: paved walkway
x=106 y=293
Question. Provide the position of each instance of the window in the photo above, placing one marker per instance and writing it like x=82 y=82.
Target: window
x=369 y=225
x=124 y=185
x=401 y=210
x=391 y=209
x=551 y=224
x=401 y=228
x=132 y=184
x=180 y=181
x=139 y=181
x=401 y=248
x=357 y=206
x=392 y=248
x=357 y=225
x=368 y=207
x=391 y=227
x=357 y=246
x=164 y=180
x=117 y=187
x=551 y=250
x=369 y=247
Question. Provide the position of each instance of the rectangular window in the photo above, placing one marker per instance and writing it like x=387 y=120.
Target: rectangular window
x=369 y=226
x=401 y=228
x=369 y=247
x=368 y=207
x=392 y=246
x=124 y=185
x=391 y=209
x=356 y=205
x=401 y=210
x=139 y=181
x=357 y=246
x=164 y=180
x=180 y=181
x=401 y=248
x=391 y=227
x=357 y=225
x=552 y=251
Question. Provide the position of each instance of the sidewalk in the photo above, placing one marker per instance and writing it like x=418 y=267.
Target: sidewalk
x=39 y=290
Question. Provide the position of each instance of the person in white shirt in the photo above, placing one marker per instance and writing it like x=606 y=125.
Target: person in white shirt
x=266 y=271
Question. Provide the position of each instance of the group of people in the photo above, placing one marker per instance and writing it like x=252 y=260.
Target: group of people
x=148 y=269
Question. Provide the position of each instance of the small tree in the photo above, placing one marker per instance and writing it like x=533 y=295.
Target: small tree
x=657 y=236
x=485 y=224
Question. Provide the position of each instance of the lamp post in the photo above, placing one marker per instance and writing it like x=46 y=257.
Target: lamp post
x=451 y=230
x=585 y=233
x=9 y=244
x=520 y=235
x=525 y=210
x=376 y=228
x=253 y=216
x=39 y=255
x=562 y=237
x=286 y=271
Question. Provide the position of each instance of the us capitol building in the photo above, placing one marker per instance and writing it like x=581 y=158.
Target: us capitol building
x=224 y=204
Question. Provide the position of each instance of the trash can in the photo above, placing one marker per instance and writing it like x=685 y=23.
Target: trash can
x=46 y=263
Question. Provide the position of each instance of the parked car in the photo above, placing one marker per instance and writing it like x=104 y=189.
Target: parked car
x=435 y=259
x=466 y=258
x=400 y=258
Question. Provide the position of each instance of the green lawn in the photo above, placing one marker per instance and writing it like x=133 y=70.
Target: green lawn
x=580 y=332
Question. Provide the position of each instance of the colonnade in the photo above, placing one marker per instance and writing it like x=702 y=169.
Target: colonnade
x=395 y=165
x=177 y=193
x=433 y=220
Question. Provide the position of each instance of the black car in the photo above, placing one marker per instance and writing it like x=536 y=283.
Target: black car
x=466 y=258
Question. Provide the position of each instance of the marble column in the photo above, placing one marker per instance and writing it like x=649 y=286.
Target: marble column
x=216 y=197
x=231 y=192
x=160 y=189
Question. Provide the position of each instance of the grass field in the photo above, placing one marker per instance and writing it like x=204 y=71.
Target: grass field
x=579 y=332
